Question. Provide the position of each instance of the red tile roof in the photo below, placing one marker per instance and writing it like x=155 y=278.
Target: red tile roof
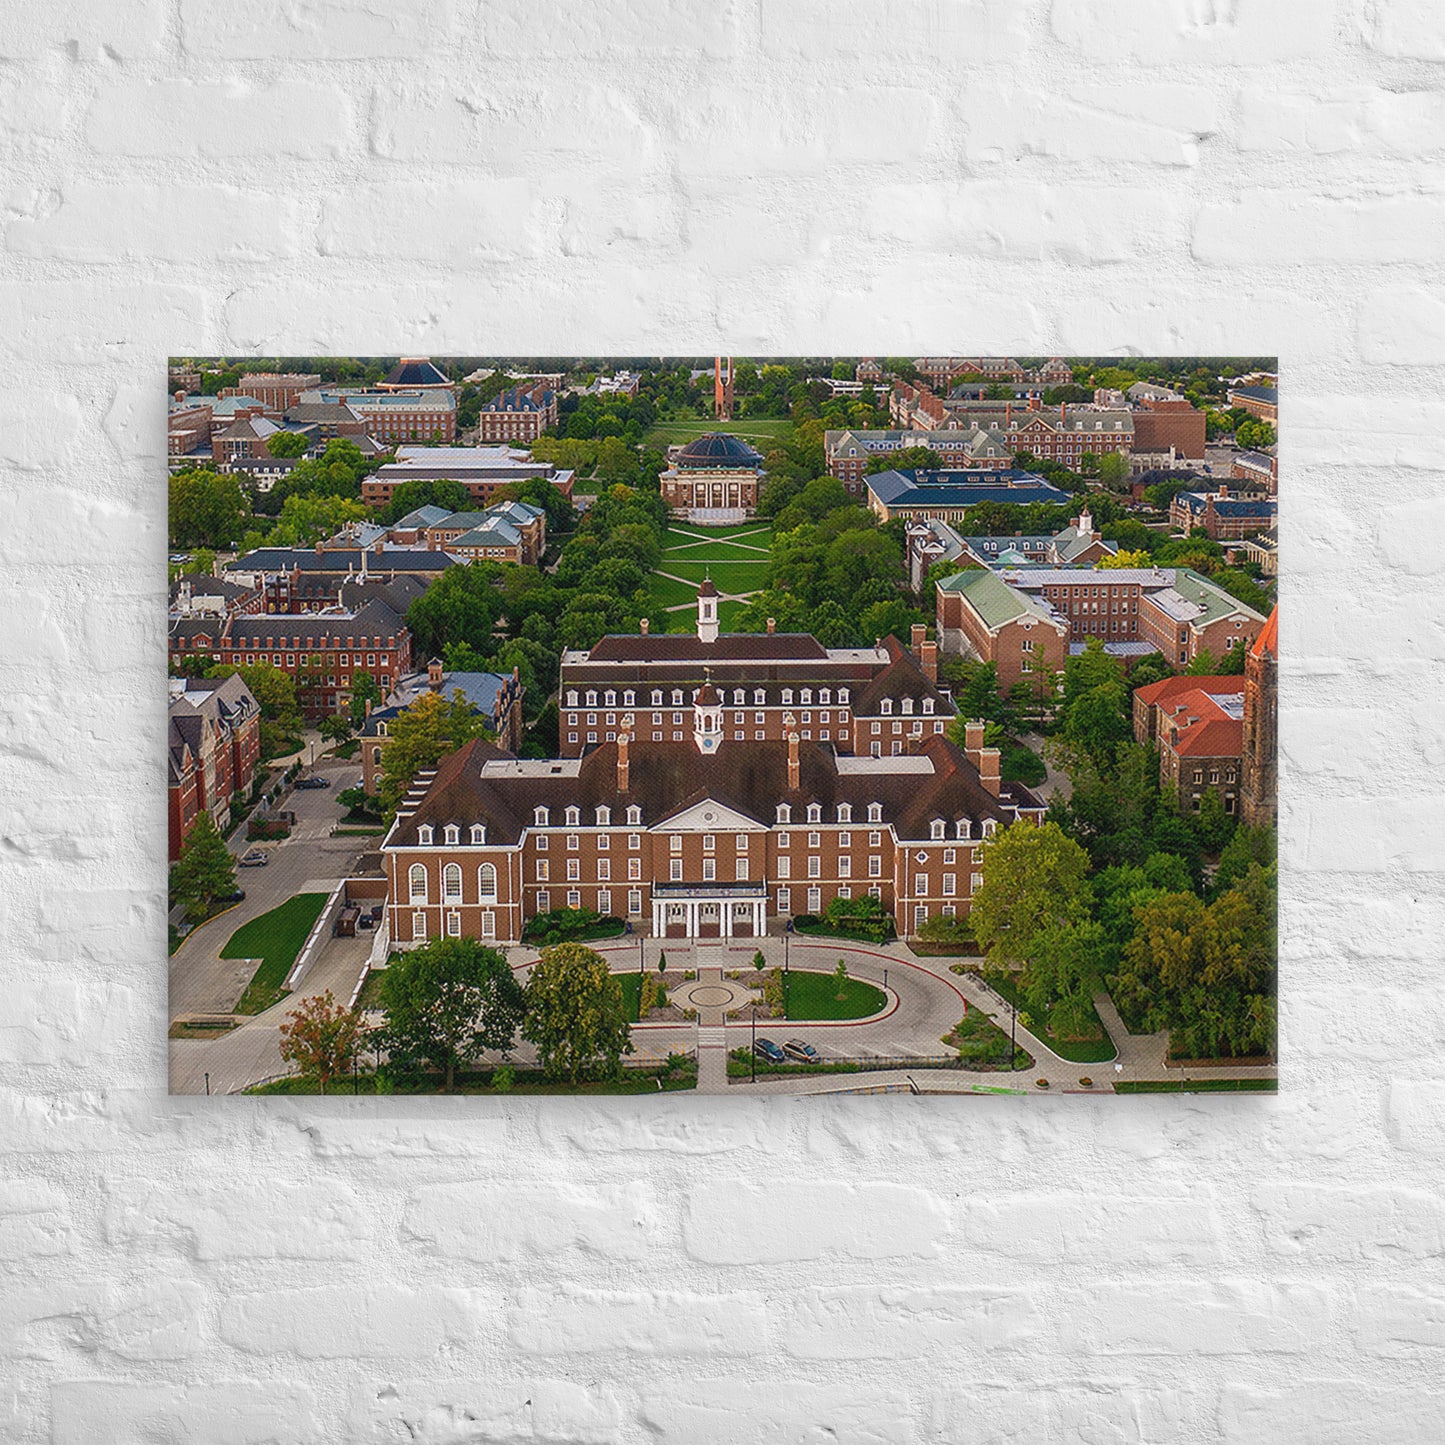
x=1268 y=640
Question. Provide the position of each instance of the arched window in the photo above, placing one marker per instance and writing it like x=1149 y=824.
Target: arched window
x=825 y=695
x=539 y=816
x=657 y=697
x=785 y=813
x=416 y=883
x=452 y=834
x=815 y=812
x=845 y=812
x=479 y=834
x=964 y=828
x=591 y=697
x=928 y=705
x=760 y=696
x=989 y=827
x=574 y=816
x=629 y=698
x=875 y=812
x=487 y=883
x=634 y=814
x=572 y=697
x=907 y=704
x=937 y=827
x=604 y=817
x=887 y=708
x=843 y=694
x=452 y=882
x=806 y=696
x=424 y=835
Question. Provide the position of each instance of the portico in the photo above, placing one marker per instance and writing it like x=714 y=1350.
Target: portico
x=737 y=910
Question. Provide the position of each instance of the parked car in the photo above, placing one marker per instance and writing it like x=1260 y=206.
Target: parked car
x=312 y=783
x=803 y=1053
x=769 y=1052
x=239 y=896
x=255 y=859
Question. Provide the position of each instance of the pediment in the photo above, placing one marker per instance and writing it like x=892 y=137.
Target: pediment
x=710 y=816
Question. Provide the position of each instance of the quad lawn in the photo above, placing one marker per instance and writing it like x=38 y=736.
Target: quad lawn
x=813 y=996
x=726 y=576
x=716 y=552
x=754 y=532
x=669 y=592
x=761 y=433
x=275 y=938
x=727 y=615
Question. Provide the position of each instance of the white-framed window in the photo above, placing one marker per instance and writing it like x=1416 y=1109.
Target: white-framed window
x=574 y=842
x=740 y=870
x=544 y=902
x=452 y=883
x=452 y=834
x=634 y=868
x=574 y=898
x=964 y=828
x=634 y=903
x=785 y=815
x=845 y=866
x=950 y=855
x=815 y=900
x=875 y=866
x=674 y=843
x=920 y=915
x=815 y=812
x=845 y=839
x=920 y=883
x=604 y=817
x=875 y=812
x=574 y=815
x=479 y=834
x=487 y=883
x=604 y=842
x=539 y=817
x=815 y=866
x=604 y=870
x=416 y=883
x=489 y=924
x=950 y=885
x=424 y=835
x=785 y=900
x=418 y=925
x=784 y=839
x=604 y=901
x=935 y=828
x=815 y=840
x=875 y=839
x=574 y=870
x=845 y=812
x=785 y=867
x=541 y=871
x=634 y=817
x=542 y=842
x=976 y=882
x=709 y=870
x=709 y=842
x=454 y=924
x=675 y=872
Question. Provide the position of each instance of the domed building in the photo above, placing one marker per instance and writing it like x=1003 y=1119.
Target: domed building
x=713 y=480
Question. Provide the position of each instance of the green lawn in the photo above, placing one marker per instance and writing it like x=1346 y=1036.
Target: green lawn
x=526 y=1081
x=760 y=433
x=1076 y=1051
x=671 y=593
x=815 y=996
x=631 y=993
x=714 y=552
x=727 y=615
x=275 y=938
x=755 y=532
x=726 y=576
x=1198 y=1086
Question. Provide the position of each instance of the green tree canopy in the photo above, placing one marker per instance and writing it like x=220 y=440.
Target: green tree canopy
x=462 y=605
x=576 y=1015
x=288 y=444
x=447 y=1001
x=420 y=736
x=1034 y=878
x=206 y=509
x=205 y=870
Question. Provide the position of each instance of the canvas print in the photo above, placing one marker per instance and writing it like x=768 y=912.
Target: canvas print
x=728 y=725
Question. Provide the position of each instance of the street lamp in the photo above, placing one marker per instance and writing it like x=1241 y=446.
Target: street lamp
x=885 y=980
x=787 y=978
x=208 y=1086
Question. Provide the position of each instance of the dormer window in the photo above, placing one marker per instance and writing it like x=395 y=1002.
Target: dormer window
x=629 y=698
x=908 y=705
x=759 y=697
x=540 y=817
x=573 y=815
x=634 y=815
x=572 y=697
x=845 y=812
x=424 y=835
x=787 y=697
x=657 y=697
x=936 y=828
x=842 y=694
x=381 y=730
x=479 y=834
x=609 y=698
x=591 y=697
x=785 y=813
x=805 y=697
x=604 y=817
x=887 y=707
x=825 y=695
x=815 y=812
x=928 y=705
x=452 y=834
x=677 y=697
x=875 y=812
x=989 y=827
x=963 y=828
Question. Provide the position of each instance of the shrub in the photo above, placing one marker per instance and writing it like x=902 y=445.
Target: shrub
x=504 y=1079
x=569 y=925
x=939 y=929
x=862 y=918
x=760 y=961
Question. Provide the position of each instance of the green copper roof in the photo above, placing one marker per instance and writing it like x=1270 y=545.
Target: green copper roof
x=992 y=598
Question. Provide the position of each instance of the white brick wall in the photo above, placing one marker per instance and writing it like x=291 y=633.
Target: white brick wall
x=766 y=175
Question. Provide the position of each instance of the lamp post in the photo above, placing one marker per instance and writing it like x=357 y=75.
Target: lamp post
x=208 y=1086
x=885 y=979
x=755 y=1045
x=787 y=979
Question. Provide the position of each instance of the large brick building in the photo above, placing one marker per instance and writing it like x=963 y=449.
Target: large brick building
x=483 y=471
x=321 y=652
x=1168 y=425
x=1005 y=617
x=275 y=390
x=847 y=453
x=1261 y=726
x=707 y=837
x=713 y=479
x=301 y=579
x=520 y=414
x=1258 y=401
x=213 y=746
x=946 y=496
x=881 y=700
x=1224 y=515
x=1197 y=723
x=389 y=417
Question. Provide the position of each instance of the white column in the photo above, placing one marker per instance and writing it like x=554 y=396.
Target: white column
x=760 y=917
x=692 y=920
x=727 y=919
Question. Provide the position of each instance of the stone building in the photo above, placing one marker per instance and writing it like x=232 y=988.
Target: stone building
x=714 y=479
x=1261 y=726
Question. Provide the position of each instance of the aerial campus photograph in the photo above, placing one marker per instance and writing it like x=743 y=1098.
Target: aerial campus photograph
x=733 y=725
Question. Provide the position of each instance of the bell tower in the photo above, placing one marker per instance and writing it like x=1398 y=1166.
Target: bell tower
x=722 y=387
x=707 y=724
x=707 y=620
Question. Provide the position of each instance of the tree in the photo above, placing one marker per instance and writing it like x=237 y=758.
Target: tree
x=575 y=1014
x=1213 y=826
x=289 y=444
x=205 y=869
x=1063 y=974
x=908 y=459
x=205 y=509
x=462 y=605
x=1098 y=721
x=840 y=977
x=447 y=1001
x=364 y=689
x=411 y=495
x=420 y=736
x=1034 y=878
x=1122 y=559
x=321 y=1037
x=1233 y=664
x=336 y=728
x=1114 y=470
x=308 y=519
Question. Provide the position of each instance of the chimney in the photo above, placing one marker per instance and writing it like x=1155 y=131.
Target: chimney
x=434 y=672
x=1036 y=402
x=988 y=770
x=624 y=766
x=972 y=739
x=377 y=546
x=645 y=624
x=320 y=547
x=930 y=661
x=919 y=633
x=1008 y=413
x=795 y=767
x=772 y=625
x=1063 y=411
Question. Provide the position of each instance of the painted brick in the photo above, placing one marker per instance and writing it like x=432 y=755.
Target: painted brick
x=948 y=29
x=1399 y=1321
x=740 y=1223
x=459 y=225
x=1402 y=326
x=343 y=1321
x=36 y=429
x=158 y=1320
x=586 y=1321
x=629 y=28
x=110 y=1412
x=87 y=321
x=1318 y=1222
x=1130 y=1232
x=896 y=1323
x=34 y=1220
x=1354 y=229
x=93 y=221
x=1410 y=29
x=1249 y=32
x=1417 y=1113
x=128 y=30
x=1121 y=1412
x=183 y=118
x=721 y=1412
x=532 y=1412
x=315 y=29
x=491 y=1222
x=1329 y=1412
